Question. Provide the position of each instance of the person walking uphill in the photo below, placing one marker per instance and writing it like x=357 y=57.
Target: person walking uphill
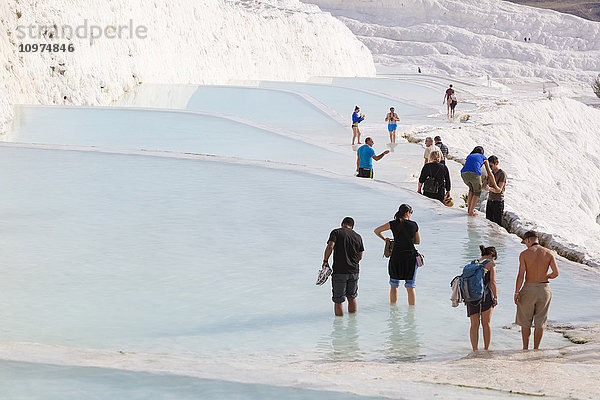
x=453 y=102
x=471 y=176
x=403 y=261
x=434 y=181
x=447 y=98
x=356 y=119
x=443 y=148
x=364 y=159
x=533 y=297
x=347 y=247
x=482 y=310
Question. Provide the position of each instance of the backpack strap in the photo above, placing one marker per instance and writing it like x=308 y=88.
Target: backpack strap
x=486 y=288
x=434 y=176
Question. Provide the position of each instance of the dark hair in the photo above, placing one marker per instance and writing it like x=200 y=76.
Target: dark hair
x=402 y=210
x=348 y=221
x=477 y=150
x=488 y=251
x=450 y=85
x=356 y=108
x=492 y=159
x=437 y=138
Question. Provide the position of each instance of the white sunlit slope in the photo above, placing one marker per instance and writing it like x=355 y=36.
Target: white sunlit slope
x=550 y=150
x=188 y=41
x=474 y=37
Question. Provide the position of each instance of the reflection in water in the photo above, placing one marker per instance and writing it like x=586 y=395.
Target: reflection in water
x=344 y=340
x=475 y=238
x=403 y=343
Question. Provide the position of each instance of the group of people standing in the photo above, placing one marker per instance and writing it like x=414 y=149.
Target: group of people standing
x=391 y=118
x=532 y=291
x=434 y=178
x=347 y=248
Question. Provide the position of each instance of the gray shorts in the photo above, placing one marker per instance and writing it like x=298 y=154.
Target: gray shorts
x=344 y=285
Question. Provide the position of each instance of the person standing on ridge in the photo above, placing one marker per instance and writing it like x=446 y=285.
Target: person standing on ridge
x=347 y=248
x=494 y=209
x=449 y=92
x=429 y=147
x=392 y=119
x=533 y=297
x=356 y=119
x=403 y=260
x=443 y=148
x=471 y=176
x=364 y=159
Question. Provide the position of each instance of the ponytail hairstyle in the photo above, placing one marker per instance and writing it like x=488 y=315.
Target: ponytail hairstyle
x=402 y=210
x=477 y=150
x=488 y=251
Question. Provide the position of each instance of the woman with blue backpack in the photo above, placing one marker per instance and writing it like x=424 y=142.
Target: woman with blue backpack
x=481 y=311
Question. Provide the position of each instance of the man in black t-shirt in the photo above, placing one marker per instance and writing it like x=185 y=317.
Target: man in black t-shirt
x=347 y=248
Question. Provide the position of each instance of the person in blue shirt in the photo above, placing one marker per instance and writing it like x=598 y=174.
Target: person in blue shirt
x=364 y=159
x=356 y=119
x=471 y=176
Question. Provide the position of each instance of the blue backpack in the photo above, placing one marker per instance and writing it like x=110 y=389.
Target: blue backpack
x=471 y=281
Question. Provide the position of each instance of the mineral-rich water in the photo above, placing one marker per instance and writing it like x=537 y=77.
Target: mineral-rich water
x=118 y=260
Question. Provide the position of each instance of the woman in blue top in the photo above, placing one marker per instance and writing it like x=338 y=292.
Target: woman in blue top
x=471 y=175
x=356 y=119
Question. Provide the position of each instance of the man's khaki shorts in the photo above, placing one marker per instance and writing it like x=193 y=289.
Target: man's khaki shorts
x=533 y=304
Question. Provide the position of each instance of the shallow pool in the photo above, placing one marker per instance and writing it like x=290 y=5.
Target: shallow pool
x=213 y=260
x=140 y=129
x=213 y=257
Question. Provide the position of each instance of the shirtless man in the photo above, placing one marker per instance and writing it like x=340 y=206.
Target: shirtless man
x=447 y=100
x=392 y=119
x=533 y=298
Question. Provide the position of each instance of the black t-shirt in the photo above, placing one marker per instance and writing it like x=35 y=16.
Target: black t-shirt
x=404 y=233
x=348 y=245
x=403 y=258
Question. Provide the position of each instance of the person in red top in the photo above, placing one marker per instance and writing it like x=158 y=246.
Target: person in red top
x=449 y=93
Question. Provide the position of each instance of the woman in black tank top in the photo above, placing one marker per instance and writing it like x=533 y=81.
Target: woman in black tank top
x=402 y=264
